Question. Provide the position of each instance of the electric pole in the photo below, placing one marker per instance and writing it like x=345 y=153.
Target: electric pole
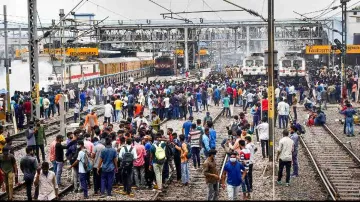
x=271 y=77
x=33 y=59
x=63 y=65
x=344 y=43
x=7 y=63
x=186 y=52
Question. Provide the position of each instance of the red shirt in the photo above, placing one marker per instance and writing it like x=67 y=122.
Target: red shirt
x=234 y=92
x=229 y=90
x=27 y=107
x=264 y=104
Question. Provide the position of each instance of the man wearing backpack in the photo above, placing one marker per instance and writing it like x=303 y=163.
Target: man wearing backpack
x=84 y=165
x=127 y=155
x=158 y=158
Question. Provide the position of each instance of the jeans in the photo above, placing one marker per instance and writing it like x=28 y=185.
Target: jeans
x=196 y=156
x=226 y=111
x=166 y=115
x=216 y=101
x=46 y=113
x=177 y=162
x=248 y=104
x=349 y=126
x=107 y=179
x=54 y=166
x=264 y=114
x=118 y=112
x=176 y=114
x=139 y=172
x=107 y=119
x=59 y=171
x=158 y=174
x=205 y=104
x=264 y=147
x=295 y=113
x=127 y=176
x=245 y=185
x=213 y=192
x=250 y=175
x=240 y=100
x=82 y=105
x=232 y=192
x=185 y=172
x=256 y=120
x=184 y=112
x=83 y=183
x=96 y=180
x=281 y=168
x=75 y=176
x=283 y=121
x=295 y=163
x=190 y=110
x=165 y=171
x=41 y=147
x=29 y=182
x=76 y=116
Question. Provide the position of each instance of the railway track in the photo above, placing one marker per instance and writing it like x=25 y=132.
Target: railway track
x=337 y=166
x=197 y=186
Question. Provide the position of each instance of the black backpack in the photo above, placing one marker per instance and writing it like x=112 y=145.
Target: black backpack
x=128 y=157
x=234 y=128
x=169 y=151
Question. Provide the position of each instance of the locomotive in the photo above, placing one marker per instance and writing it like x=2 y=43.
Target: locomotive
x=253 y=68
x=292 y=68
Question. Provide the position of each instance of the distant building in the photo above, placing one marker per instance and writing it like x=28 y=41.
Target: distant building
x=353 y=24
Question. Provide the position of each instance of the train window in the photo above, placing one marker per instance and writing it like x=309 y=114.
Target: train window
x=249 y=63
x=286 y=63
x=297 y=63
x=259 y=63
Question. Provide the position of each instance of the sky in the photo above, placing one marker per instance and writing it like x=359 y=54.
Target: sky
x=144 y=9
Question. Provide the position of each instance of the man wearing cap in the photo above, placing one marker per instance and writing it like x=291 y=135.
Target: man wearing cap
x=211 y=176
x=9 y=168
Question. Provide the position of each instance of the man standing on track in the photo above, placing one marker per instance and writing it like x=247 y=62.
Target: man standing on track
x=284 y=155
x=211 y=176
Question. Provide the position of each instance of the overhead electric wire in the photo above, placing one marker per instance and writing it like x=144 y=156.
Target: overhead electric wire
x=251 y=12
x=349 y=7
x=213 y=10
x=109 y=10
x=322 y=13
x=181 y=18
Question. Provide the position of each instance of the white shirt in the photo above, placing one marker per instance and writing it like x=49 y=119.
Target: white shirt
x=47 y=186
x=108 y=110
x=263 y=129
x=292 y=90
x=110 y=91
x=277 y=92
x=77 y=108
x=250 y=97
x=81 y=159
x=250 y=146
x=131 y=80
x=122 y=151
x=150 y=103
x=46 y=103
x=282 y=108
x=140 y=120
x=72 y=94
x=286 y=146
x=104 y=92
x=167 y=102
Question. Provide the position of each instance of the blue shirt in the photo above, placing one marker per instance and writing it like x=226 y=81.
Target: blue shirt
x=212 y=133
x=234 y=173
x=295 y=138
x=217 y=93
x=198 y=96
x=206 y=142
x=107 y=155
x=186 y=127
x=83 y=96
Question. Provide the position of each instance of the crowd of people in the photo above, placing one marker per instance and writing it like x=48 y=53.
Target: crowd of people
x=130 y=150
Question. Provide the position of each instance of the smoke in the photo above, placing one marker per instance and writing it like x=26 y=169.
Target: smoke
x=20 y=76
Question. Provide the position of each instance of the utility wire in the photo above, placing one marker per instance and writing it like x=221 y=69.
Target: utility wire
x=322 y=13
x=251 y=12
x=213 y=10
x=354 y=4
x=109 y=10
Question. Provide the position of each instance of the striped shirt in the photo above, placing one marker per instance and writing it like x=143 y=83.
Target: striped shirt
x=195 y=138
